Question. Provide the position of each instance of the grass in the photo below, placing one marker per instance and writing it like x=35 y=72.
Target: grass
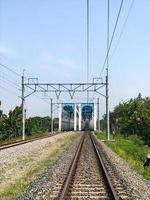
x=132 y=149
x=15 y=189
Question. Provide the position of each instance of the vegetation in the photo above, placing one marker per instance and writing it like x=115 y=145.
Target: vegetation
x=37 y=125
x=11 y=125
x=12 y=191
x=132 y=149
x=130 y=125
x=131 y=118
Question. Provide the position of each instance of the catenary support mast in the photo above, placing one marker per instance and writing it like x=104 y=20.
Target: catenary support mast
x=107 y=74
x=51 y=116
x=23 y=107
x=98 y=114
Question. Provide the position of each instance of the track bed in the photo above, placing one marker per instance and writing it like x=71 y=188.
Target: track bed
x=87 y=177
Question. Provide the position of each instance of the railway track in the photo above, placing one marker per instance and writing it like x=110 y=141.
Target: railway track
x=87 y=177
x=16 y=143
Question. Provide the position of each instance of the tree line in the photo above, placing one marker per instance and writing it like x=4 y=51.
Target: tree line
x=131 y=118
x=11 y=124
x=128 y=118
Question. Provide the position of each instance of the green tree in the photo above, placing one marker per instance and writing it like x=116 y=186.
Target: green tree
x=14 y=121
x=133 y=117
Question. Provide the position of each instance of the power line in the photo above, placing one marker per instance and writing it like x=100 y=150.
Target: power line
x=10 y=92
x=9 y=69
x=123 y=28
x=10 y=81
x=108 y=19
x=112 y=37
x=87 y=46
x=8 y=76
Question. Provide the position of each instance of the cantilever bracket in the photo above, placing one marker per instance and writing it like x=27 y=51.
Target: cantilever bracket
x=57 y=94
x=30 y=94
x=101 y=94
x=71 y=93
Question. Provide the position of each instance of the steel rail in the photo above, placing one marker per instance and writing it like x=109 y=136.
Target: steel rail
x=65 y=187
x=109 y=182
x=19 y=142
x=71 y=170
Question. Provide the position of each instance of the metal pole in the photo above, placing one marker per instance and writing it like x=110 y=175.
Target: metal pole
x=107 y=94
x=107 y=110
x=95 y=116
x=98 y=114
x=75 y=117
x=23 y=107
x=60 y=115
x=51 y=116
x=79 y=117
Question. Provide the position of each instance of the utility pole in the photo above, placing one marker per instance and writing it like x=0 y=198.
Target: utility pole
x=51 y=116
x=107 y=74
x=23 y=107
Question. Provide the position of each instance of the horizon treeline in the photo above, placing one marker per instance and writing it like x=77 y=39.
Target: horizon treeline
x=131 y=118
x=11 y=124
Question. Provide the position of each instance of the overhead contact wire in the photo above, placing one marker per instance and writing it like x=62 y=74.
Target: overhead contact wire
x=123 y=28
x=87 y=47
x=112 y=37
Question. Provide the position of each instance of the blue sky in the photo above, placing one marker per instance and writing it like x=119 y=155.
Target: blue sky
x=48 y=39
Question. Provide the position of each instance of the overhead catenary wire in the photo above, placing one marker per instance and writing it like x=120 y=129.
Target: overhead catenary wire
x=108 y=19
x=8 y=76
x=9 y=69
x=112 y=37
x=123 y=28
x=10 y=81
x=10 y=92
x=10 y=84
x=88 y=47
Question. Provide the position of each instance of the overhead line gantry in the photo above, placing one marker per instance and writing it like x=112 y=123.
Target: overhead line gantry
x=57 y=89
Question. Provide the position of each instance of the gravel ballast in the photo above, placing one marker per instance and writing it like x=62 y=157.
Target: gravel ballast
x=42 y=186
x=16 y=162
x=137 y=186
